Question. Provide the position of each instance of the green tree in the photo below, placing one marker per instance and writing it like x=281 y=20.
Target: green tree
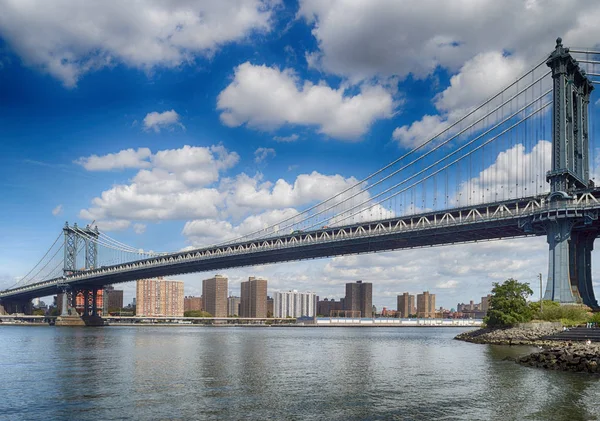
x=508 y=304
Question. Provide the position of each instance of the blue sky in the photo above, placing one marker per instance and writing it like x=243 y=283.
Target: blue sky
x=309 y=95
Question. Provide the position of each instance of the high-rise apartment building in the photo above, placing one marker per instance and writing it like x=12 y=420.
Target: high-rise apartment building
x=233 y=306
x=294 y=304
x=113 y=299
x=253 y=299
x=359 y=297
x=326 y=306
x=192 y=303
x=214 y=294
x=485 y=303
x=426 y=305
x=406 y=305
x=157 y=297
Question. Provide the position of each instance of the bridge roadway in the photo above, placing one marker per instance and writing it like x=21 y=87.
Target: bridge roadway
x=507 y=219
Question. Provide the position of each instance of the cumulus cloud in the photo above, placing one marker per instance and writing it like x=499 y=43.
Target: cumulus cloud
x=139 y=228
x=68 y=39
x=267 y=97
x=263 y=153
x=57 y=210
x=478 y=79
x=156 y=121
x=447 y=284
x=186 y=183
x=516 y=172
x=290 y=138
x=127 y=158
x=112 y=225
x=210 y=231
x=361 y=39
x=174 y=186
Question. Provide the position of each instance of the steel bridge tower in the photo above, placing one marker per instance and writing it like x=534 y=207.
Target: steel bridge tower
x=570 y=239
x=76 y=237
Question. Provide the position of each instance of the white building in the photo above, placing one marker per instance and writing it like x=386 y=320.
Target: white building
x=294 y=304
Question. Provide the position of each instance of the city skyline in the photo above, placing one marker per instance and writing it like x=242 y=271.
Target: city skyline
x=183 y=144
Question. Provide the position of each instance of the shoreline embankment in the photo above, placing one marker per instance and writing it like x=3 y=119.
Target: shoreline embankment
x=574 y=356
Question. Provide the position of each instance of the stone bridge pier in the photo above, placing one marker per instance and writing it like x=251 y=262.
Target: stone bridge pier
x=80 y=308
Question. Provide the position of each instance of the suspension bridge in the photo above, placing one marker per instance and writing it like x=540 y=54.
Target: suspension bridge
x=516 y=165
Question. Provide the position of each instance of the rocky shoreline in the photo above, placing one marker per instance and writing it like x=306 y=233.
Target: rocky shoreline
x=555 y=355
x=525 y=334
x=573 y=357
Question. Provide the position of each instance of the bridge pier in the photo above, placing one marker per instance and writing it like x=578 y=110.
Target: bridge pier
x=582 y=244
x=89 y=312
x=570 y=263
x=16 y=306
x=570 y=238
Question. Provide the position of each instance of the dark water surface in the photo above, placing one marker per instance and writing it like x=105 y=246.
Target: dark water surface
x=231 y=373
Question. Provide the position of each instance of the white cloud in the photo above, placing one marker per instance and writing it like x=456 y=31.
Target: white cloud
x=174 y=186
x=68 y=39
x=156 y=121
x=127 y=158
x=210 y=231
x=112 y=224
x=515 y=172
x=447 y=284
x=361 y=39
x=245 y=194
x=290 y=138
x=478 y=79
x=139 y=228
x=57 y=210
x=266 y=97
x=263 y=153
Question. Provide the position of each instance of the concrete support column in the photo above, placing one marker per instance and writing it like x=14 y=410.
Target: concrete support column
x=65 y=304
x=582 y=244
x=558 y=287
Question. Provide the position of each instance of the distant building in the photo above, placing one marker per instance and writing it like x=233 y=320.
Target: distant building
x=253 y=299
x=113 y=298
x=270 y=306
x=214 y=294
x=233 y=306
x=485 y=303
x=192 y=304
x=326 y=306
x=294 y=304
x=406 y=305
x=426 y=305
x=359 y=297
x=158 y=297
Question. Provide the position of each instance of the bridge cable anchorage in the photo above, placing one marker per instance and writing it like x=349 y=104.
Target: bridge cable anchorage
x=364 y=180
x=436 y=163
x=443 y=168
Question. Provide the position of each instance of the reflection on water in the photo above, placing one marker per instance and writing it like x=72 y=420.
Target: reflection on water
x=181 y=373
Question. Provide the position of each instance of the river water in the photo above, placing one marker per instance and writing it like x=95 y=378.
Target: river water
x=276 y=373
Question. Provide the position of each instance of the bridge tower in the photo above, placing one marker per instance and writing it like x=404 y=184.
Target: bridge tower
x=570 y=239
x=74 y=238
